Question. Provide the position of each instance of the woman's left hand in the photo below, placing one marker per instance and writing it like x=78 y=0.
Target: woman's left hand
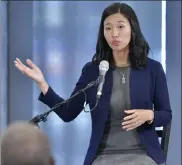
x=137 y=117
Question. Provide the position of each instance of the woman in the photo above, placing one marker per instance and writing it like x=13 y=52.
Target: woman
x=124 y=121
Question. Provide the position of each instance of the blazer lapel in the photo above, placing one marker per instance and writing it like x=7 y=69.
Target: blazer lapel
x=107 y=90
x=133 y=87
x=139 y=89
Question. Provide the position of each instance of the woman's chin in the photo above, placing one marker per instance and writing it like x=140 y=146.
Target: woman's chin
x=114 y=48
x=118 y=48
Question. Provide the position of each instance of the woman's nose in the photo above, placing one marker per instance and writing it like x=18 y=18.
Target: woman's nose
x=115 y=33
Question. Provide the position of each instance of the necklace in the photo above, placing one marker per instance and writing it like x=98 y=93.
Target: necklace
x=123 y=80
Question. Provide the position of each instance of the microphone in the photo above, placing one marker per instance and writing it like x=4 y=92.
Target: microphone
x=103 y=68
x=43 y=117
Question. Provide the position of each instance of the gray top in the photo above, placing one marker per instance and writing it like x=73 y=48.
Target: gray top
x=115 y=139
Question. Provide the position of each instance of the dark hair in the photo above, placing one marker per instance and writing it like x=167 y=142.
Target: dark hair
x=138 y=46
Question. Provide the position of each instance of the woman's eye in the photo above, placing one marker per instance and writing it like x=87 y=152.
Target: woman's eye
x=121 y=27
x=108 y=28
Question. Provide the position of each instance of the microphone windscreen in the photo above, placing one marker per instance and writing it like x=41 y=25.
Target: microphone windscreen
x=103 y=67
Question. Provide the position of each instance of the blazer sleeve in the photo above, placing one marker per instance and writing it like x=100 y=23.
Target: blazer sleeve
x=161 y=101
x=70 y=111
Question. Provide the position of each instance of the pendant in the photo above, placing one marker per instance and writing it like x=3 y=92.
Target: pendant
x=123 y=80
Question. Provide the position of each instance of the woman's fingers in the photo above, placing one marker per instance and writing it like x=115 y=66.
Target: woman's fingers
x=31 y=64
x=128 y=122
x=19 y=67
x=31 y=70
x=19 y=63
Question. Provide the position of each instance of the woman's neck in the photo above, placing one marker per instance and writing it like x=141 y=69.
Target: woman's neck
x=121 y=58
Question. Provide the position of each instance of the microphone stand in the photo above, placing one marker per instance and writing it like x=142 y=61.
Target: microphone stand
x=43 y=117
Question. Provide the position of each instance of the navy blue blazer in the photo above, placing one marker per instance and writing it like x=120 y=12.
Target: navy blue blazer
x=148 y=90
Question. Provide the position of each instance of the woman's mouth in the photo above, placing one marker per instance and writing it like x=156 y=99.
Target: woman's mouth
x=115 y=42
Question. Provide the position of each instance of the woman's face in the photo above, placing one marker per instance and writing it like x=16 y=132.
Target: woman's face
x=117 y=31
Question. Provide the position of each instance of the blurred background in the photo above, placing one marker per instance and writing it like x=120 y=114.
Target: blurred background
x=60 y=37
